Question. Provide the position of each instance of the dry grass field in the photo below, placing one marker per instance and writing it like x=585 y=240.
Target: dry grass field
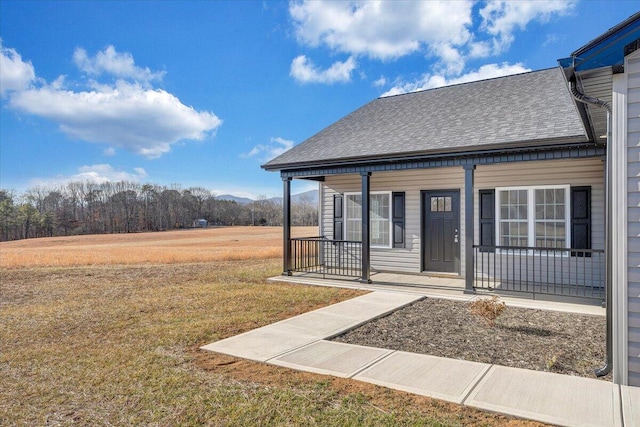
x=105 y=330
x=168 y=247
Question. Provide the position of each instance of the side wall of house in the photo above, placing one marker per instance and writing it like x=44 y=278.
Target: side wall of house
x=577 y=172
x=632 y=70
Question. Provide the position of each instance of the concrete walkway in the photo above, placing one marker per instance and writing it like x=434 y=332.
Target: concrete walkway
x=301 y=343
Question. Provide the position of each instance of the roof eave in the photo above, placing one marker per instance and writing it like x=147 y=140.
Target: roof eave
x=353 y=161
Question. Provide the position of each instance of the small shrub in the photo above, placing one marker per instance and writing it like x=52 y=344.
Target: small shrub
x=488 y=308
x=551 y=362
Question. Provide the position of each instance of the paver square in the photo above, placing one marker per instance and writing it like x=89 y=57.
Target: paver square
x=432 y=376
x=371 y=305
x=331 y=358
x=317 y=323
x=391 y=298
x=260 y=344
x=547 y=397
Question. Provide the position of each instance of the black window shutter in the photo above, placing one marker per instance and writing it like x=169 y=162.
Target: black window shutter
x=487 y=220
x=338 y=218
x=581 y=220
x=397 y=217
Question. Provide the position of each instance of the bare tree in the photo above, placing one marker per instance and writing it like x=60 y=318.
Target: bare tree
x=117 y=207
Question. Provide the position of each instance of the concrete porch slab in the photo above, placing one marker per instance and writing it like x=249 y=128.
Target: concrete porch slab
x=547 y=397
x=438 y=377
x=331 y=358
x=432 y=287
x=630 y=405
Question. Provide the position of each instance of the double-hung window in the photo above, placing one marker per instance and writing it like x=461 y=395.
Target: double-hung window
x=380 y=218
x=353 y=221
x=533 y=216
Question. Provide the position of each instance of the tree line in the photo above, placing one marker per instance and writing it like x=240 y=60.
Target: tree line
x=127 y=207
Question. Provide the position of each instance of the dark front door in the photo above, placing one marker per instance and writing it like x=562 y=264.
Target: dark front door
x=441 y=231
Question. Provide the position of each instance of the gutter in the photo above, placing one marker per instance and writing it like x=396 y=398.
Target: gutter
x=581 y=97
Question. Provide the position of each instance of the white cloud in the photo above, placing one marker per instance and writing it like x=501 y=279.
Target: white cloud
x=126 y=114
x=452 y=32
x=501 y=18
x=304 y=71
x=381 y=29
x=144 y=121
x=118 y=64
x=94 y=173
x=15 y=74
x=266 y=152
x=380 y=82
x=552 y=39
x=430 y=81
x=453 y=61
x=480 y=49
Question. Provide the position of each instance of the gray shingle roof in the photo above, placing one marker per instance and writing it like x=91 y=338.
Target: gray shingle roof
x=518 y=110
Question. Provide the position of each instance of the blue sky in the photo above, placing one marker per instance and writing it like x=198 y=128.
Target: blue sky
x=202 y=93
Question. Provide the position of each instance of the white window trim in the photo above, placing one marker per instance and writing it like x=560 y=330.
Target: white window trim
x=346 y=216
x=531 y=210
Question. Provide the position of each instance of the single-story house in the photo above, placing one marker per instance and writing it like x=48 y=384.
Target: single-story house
x=525 y=183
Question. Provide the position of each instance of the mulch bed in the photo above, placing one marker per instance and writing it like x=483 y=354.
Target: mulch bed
x=541 y=340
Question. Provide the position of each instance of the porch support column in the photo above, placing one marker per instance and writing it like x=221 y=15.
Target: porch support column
x=366 y=238
x=468 y=229
x=286 y=225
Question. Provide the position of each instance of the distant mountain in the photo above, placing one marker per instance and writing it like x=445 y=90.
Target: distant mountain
x=311 y=196
x=230 y=197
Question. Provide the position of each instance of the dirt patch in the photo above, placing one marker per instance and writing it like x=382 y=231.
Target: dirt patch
x=541 y=340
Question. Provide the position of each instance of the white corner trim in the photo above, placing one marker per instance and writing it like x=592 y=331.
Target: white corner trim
x=618 y=175
x=320 y=207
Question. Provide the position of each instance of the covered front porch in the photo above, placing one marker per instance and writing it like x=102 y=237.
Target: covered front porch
x=568 y=265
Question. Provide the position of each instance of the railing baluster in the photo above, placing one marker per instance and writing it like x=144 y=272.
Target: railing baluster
x=495 y=255
x=555 y=278
x=585 y=274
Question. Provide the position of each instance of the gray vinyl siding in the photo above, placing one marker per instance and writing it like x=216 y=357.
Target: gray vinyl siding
x=633 y=215
x=578 y=172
